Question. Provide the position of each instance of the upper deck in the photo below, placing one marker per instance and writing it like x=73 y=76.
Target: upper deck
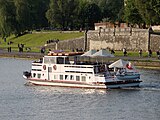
x=61 y=58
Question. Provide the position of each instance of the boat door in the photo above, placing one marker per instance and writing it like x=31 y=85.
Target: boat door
x=49 y=73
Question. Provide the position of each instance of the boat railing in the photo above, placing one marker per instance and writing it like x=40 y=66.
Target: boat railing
x=39 y=61
x=131 y=73
x=36 y=64
x=100 y=75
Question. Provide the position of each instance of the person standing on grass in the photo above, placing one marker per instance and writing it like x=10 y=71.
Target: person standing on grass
x=158 y=54
x=124 y=52
x=112 y=51
x=149 y=53
x=140 y=53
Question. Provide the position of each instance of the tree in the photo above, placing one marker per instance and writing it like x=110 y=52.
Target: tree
x=71 y=13
x=146 y=9
x=23 y=16
x=91 y=14
x=156 y=6
x=61 y=13
x=131 y=14
x=112 y=9
x=7 y=17
x=53 y=14
x=38 y=10
x=80 y=13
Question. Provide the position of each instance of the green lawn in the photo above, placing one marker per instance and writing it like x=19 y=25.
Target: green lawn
x=36 y=40
x=134 y=53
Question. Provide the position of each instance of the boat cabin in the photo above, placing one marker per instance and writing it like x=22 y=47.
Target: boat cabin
x=56 y=60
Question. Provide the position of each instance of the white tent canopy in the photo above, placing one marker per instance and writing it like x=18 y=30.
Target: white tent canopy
x=89 y=53
x=103 y=53
x=119 y=64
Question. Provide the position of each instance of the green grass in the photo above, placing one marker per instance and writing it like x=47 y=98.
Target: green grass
x=36 y=40
x=134 y=53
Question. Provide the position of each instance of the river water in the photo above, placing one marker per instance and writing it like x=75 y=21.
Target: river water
x=21 y=102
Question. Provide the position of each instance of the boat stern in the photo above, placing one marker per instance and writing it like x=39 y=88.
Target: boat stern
x=26 y=74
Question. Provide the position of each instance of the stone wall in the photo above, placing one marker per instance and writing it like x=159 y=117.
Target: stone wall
x=67 y=44
x=155 y=42
x=117 y=39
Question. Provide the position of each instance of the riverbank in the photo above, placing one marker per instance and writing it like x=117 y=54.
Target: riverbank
x=33 y=55
x=143 y=62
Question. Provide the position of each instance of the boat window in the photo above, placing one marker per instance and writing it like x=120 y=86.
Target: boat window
x=36 y=70
x=34 y=74
x=96 y=69
x=61 y=77
x=71 y=77
x=66 y=77
x=77 y=78
x=49 y=69
x=49 y=60
x=39 y=75
x=60 y=60
x=83 y=78
x=55 y=77
x=46 y=60
x=67 y=60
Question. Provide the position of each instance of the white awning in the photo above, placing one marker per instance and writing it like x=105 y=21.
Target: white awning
x=103 y=53
x=89 y=53
x=119 y=64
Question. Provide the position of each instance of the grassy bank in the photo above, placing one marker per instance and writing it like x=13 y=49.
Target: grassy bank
x=134 y=54
x=37 y=39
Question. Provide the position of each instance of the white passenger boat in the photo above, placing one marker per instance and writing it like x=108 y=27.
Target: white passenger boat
x=57 y=69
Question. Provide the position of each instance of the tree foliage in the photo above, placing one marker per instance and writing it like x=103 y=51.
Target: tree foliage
x=38 y=10
x=90 y=14
x=112 y=9
x=61 y=13
x=22 y=15
x=7 y=17
x=17 y=16
x=132 y=15
x=156 y=6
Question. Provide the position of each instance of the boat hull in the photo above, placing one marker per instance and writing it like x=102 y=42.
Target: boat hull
x=128 y=77
x=106 y=85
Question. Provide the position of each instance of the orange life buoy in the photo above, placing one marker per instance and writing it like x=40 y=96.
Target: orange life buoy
x=44 y=67
x=54 y=67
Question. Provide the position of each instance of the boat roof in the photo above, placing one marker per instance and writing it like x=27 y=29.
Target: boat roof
x=119 y=64
x=100 y=53
x=89 y=53
x=103 y=53
x=64 y=54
